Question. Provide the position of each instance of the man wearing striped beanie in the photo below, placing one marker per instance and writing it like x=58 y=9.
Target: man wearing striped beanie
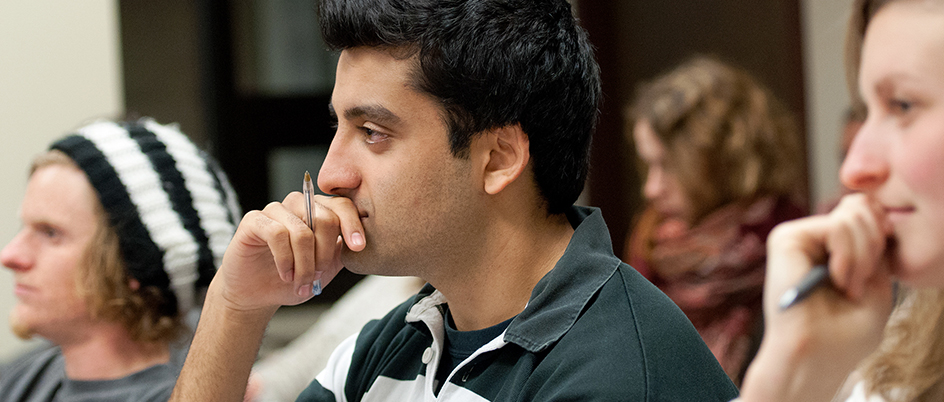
x=124 y=225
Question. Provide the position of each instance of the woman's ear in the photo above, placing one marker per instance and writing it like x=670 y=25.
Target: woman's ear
x=506 y=153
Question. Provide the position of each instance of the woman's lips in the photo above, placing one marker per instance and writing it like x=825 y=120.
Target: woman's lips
x=896 y=214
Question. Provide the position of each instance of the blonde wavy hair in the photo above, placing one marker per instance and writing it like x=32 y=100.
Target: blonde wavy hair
x=103 y=282
x=909 y=363
x=727 y=139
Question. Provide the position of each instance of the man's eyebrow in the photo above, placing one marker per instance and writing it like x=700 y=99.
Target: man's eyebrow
x=375 y=113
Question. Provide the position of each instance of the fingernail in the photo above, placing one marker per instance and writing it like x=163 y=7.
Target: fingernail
x=303 y=291
x=316 y=287
x=357 y=238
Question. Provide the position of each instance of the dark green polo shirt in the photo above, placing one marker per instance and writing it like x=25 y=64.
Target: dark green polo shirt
x=594 y=329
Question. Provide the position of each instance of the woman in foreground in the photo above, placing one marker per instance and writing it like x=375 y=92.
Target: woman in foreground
x=894 y=228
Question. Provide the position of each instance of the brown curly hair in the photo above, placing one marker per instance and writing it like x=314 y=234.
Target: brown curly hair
x=109 y=291
x=727 y=139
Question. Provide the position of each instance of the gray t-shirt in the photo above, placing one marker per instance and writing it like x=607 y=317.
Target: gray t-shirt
x=41 y=377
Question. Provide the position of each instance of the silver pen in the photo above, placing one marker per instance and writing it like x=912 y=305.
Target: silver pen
x=817 y=277
x=309 y=190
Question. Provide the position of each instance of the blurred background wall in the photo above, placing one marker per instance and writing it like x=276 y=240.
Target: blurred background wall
x=249 y=80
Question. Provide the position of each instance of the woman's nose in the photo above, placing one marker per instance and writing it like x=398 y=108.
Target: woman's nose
x=653 y=186
x=866 y=165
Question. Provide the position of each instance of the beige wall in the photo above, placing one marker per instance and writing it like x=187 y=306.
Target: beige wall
x=59 y=67
x=824 y=28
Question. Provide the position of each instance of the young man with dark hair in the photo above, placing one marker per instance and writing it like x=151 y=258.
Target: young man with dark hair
x=462 y=142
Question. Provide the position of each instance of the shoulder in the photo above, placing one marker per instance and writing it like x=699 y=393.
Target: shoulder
x=644 y=342
x=159 y=392
x=634 y=305
x=35 y=372
x=37 y=355
x=153 y=384
x=646 y=309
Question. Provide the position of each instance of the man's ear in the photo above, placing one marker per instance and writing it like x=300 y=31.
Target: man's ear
x=506 y=151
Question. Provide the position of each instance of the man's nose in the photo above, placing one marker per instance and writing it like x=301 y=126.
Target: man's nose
x=15 y=255
x=339 y=174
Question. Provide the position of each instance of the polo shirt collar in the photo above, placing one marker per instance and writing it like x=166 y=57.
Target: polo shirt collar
x=561 y=295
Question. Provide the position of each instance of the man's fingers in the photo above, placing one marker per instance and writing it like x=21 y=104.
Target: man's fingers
x=332 y=217
x=349 y=218
x=327 y=230
x=294 y=214
x=288 y=237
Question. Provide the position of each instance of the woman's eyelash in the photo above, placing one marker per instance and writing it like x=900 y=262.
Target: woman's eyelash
x=900 y=105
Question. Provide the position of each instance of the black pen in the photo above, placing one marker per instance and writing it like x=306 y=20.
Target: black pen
x=818 y=276
x=309 y=190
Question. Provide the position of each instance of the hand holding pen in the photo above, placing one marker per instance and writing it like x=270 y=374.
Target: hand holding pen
x=335 y=223
x=839 y=262
x=818 y=276
x=852 y=239
x=275 y=257
x=284 y=253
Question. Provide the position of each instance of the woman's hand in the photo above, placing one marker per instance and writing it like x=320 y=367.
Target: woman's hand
x=810 y=348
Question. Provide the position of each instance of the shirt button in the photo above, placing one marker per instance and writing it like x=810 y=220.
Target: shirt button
x=427 y=355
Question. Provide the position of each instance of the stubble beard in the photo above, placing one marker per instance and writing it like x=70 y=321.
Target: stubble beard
x=19 y=328
x=371 y=262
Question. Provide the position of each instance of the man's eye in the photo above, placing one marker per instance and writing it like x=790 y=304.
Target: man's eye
x=49 y=232
x=373 y=137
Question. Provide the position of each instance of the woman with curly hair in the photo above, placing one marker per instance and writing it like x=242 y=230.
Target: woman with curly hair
x=721 y=161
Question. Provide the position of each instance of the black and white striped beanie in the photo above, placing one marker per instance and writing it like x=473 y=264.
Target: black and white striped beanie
x=172 y=206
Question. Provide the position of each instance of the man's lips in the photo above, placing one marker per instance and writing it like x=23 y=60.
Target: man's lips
x=21 y=290
x=361 y=210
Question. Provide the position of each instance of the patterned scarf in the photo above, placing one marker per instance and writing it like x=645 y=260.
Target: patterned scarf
x=714 y=271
